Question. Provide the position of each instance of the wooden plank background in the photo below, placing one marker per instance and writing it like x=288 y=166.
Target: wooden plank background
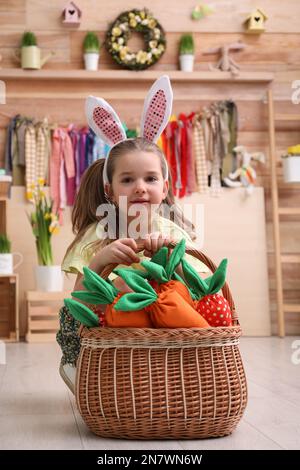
x=277 y=51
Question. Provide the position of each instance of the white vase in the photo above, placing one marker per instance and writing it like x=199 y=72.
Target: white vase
x=91 y=61
x=186 y=62
x=291 y=169
x=49 y=278
x=6 y=263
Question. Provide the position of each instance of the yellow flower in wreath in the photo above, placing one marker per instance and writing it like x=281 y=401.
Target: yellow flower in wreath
x=116 y=31
x=152 y=23
x=133 y=22
x=141 y=57
x=152 y=44
x=123 y=52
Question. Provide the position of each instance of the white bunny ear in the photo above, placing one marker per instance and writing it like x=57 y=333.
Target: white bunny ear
x=104 y=121
x=157 y=109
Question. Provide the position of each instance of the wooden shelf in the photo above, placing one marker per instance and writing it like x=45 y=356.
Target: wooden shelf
x=287 y=117
x=126 y=75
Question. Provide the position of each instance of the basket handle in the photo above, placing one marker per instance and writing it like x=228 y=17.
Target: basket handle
x=198 y=255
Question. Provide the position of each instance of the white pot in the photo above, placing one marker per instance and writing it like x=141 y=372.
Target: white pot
x=91 y=61
x=186 y=62
x=49 y=278
x=6 y=263
x=291 y=169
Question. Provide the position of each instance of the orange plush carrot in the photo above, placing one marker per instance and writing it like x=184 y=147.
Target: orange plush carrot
x=168 y=309
x=103 y=292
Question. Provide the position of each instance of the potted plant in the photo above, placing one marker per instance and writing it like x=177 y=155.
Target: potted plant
x=6 y=257
x=31 y=53
x=44 y=224
x=291 y=165
x=186 y=53
x=91 y=48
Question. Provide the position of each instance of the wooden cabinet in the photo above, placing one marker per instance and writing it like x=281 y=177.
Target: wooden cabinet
x=9 y=311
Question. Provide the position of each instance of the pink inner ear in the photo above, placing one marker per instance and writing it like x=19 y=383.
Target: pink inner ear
x=107 y=125
x=155 y=115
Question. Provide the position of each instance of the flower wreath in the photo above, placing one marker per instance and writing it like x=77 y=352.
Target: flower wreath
x=119 y=32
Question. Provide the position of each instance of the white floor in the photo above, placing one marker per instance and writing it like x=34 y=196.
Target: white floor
x=38 y=412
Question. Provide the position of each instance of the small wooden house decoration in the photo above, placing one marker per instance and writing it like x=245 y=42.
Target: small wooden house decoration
x=255 y=22
x=71 y=14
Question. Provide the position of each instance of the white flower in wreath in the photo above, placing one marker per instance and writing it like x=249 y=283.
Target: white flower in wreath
x=149 y=58
x=123 y=26
x=121 y=41
x=161 y=47
x=145 y=22
x=156 y=33
x=138 y=19
x=155 y=51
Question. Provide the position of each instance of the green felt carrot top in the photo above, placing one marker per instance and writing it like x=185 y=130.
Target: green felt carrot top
x=98 y=291
x=202 y=287
x=160 y=268
x=82 y=313
x=142 y=296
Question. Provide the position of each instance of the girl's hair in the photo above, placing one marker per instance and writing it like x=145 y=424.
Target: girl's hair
x=91 y=192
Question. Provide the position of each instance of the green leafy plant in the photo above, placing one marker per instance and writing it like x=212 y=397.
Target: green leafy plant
x=44 y=223
x=186 y=45
x=5 y=244
x=91 y=43
x=28 y=39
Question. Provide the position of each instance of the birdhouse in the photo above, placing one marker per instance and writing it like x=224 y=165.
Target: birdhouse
x=71 y=14
x=255 y=22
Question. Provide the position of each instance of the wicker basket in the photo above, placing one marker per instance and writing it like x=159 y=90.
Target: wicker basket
x=162 y=383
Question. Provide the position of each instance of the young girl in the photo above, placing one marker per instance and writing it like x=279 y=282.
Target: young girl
x=136 y=172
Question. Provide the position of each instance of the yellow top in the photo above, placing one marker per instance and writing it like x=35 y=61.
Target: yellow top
x=79 y=257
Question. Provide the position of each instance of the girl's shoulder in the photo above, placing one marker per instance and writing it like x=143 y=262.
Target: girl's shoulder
x=81 y=253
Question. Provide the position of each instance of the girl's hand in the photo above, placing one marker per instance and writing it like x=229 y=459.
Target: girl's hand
x=122 y=251
x=153 y=242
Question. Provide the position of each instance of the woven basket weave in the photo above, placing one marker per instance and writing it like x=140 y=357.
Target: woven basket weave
x=162 y=383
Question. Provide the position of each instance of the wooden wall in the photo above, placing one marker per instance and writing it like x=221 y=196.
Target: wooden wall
x=277 y=51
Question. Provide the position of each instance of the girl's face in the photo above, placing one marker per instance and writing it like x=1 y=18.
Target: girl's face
x=138 y=175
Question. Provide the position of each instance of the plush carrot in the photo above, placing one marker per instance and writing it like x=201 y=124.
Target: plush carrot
x=99 y=291
x=168 y=308
x=160 y=271
x=211 y=305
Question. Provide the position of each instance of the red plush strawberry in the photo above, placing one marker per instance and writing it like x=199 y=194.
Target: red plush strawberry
x=215 y=309
x=212 y=306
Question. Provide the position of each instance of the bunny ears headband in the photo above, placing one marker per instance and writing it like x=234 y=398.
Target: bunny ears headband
x=105 y=122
